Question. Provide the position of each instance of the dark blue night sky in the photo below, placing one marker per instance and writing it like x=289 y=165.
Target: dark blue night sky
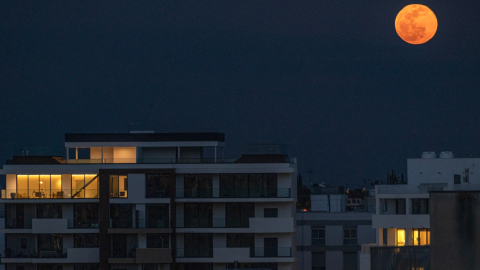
x=330 y=78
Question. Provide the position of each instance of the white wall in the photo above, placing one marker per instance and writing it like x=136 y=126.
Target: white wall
x=334 y=260
x=334 y=235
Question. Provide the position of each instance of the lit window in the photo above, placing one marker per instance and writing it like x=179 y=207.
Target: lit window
x=400 y=237
x=421 y=237
x=318 y=237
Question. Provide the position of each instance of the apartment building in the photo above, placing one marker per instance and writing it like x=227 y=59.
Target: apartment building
x=329 y=237
x=402 y=219
x=150 y=201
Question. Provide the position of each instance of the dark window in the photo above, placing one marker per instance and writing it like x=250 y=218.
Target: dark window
x=121 y=215
x=400 y=207
x=269 y=266
x=157 y=240
x=318 y=261
x=457 y=179
x=350 y=236
x=248 y=185
x=20 y=267
x=198 y=186
x=49 y=210
x=49 y=266
x=198 y=215
x=420 y=206
x=23 y=243
x=157 y=215
x=86 y=240
x=86 y=266
x=350 y=261
x=15 y=216
x=270 y=212
x=194 y=266
x=158 y=186
x=50 y=242
x=86 y=215
x=119 y=245
x=198 y=245
x=318 y=236
x=238 y=214
x=241 y=240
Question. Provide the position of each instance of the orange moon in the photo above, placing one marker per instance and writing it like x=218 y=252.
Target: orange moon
x=416 y=24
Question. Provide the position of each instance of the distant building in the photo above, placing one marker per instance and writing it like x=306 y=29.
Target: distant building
x=150 y=201
x=402 y=220
x=329 y=237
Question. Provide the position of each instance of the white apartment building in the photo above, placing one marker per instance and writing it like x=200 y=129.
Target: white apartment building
x=402 y=219
x=150 y=201
x=328 y=237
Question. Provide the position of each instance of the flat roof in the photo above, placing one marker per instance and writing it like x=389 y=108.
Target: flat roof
x=145 y=137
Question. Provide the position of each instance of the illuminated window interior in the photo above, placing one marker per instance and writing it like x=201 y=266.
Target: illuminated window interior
x=401 y=237
x=55 y=186
x=118 y=186
x=421 y=237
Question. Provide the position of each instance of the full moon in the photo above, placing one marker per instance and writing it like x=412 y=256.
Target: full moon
x=416 y=24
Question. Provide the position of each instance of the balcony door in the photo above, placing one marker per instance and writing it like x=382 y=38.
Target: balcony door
x=270 y=247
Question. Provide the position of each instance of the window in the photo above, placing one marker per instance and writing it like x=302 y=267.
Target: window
x=86 y=266
x=240 y=265
x=86 y=240
x=48 y=210
x=121 y=215
x=50 y=242
x=350 y=261
x=350 y=236
x=119 y=246
x=239 y=240
x=318 y=237
x=457 y=179
x=238 y=214
x=401 y=238
x=270 y=212
x=37 y=186
x=194 y=266
x=157 y=215
x=158 y=185
x=118 y=186
x=400 y=207
x=420 y=206
x=84 y=186
x=197 y=186
x=157 y=240
x=198 y=215
x=421 y=237
x=198 y=245
x=49 y=266
x=86 y=215
x=23 y=243
x=248 y=185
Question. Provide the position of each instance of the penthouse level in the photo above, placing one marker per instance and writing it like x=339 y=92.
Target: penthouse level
x=187 y=208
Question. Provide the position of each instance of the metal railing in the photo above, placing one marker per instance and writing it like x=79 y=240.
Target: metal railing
x=9 y=253
x=10 y=194
x=233 y=193
x=82 y=224
x=160 y=160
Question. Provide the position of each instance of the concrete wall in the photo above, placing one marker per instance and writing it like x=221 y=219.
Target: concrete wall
x=334 y=260
x=455 y=230
x=334 y=235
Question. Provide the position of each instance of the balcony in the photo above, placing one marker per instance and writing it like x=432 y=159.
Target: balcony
x=49 y=225
x=409 y=257
x=82 y=224
x=231 y=254
x=10 y=194
x=273 y=252
x=154 y=255
x=239 y=193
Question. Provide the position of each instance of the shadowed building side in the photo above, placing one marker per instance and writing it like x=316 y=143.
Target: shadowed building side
x=455 y=229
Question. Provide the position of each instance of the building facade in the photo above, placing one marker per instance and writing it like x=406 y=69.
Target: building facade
x=402 y=219
x=149 y=201
x=329 y=237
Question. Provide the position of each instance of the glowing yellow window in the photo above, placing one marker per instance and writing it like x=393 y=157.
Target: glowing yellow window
x=401 y=237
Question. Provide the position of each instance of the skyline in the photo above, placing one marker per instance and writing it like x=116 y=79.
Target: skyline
x=331 y=79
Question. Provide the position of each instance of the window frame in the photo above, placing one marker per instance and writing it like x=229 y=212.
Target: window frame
x=317 y=239
x=348 y=239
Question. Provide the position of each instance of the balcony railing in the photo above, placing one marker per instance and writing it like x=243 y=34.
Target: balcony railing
x=9 y=253
x=82 y=224
x=160 y=160
x=8 y=194
x=273 y=252
x=139 y=223
x=233 y=193
x=201 y=223
x=194 y=253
